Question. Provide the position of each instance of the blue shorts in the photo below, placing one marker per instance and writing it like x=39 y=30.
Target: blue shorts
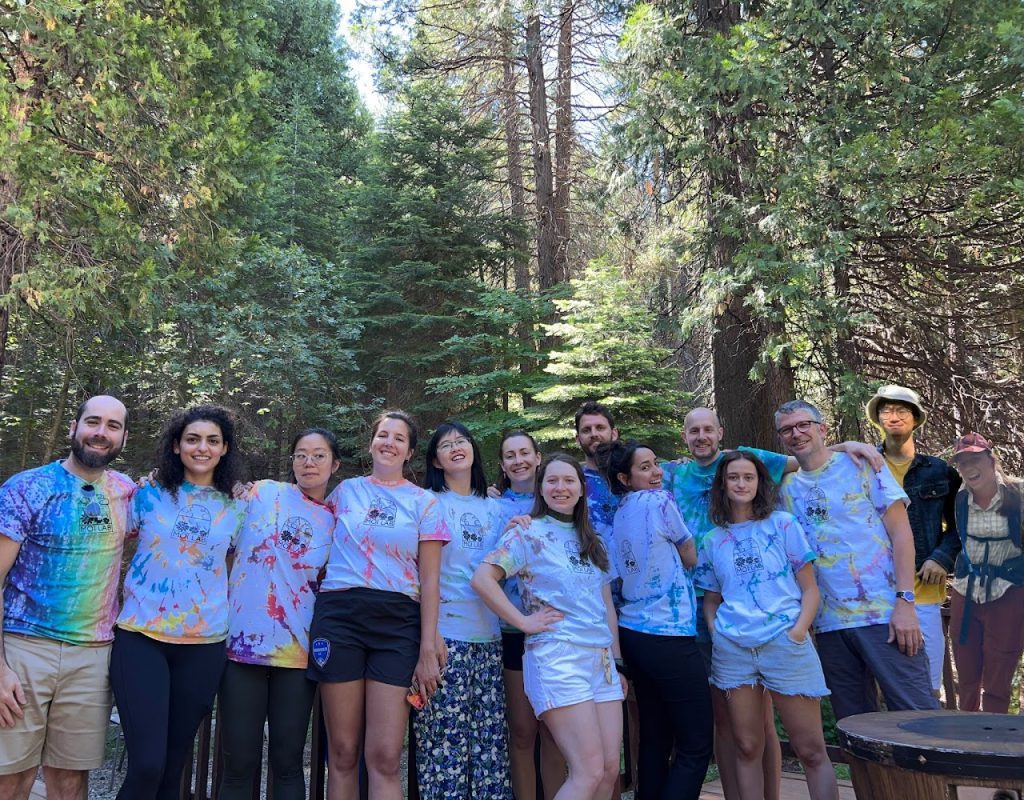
x=780 y=665
x=558 y=674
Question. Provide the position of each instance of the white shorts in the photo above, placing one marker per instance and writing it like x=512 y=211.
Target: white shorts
x=558 y=674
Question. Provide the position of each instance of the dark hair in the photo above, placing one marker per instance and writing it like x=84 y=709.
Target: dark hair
x=171 y=471
x=591 y=546
x=398 y=414
x=81 y=408
x=764 y=499
x=329 y=437
x=503 y=481
x=616 y=457
x=911 y=407
x=434 y=477
x=593 y=407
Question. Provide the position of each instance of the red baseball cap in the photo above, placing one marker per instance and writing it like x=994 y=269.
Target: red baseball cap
x=971 y=443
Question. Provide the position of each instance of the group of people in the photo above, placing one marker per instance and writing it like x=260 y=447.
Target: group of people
x=505 y=614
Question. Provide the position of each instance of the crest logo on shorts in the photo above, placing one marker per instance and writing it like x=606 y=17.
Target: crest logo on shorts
x=321 y=651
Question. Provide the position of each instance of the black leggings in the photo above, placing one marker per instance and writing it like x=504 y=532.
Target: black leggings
x=250 y=694
x=162 y=691
x=674 y=704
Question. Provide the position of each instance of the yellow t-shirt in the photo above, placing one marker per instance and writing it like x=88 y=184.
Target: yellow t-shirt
x=925 y=594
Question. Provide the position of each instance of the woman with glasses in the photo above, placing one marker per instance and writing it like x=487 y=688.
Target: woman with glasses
x=461 y=738
x=282 y=550
x=374 y=630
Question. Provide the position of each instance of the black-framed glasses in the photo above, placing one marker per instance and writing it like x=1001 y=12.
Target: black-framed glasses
x=802 y=426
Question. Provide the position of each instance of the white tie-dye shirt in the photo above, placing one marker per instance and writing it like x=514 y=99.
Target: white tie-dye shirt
x=840 y=507
x=377 y=534
x=176 y=588
x=657 y=593
x=284 y=544
x=753 y=565
x=475 y=525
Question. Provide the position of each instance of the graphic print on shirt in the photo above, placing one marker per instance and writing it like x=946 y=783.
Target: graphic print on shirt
x=472 y=531
x=746 y=558
x=192 y=523
x=576 y=559
x=628 y=557
x=94 y=511
x=816 y=505
x=382 y=512
x=296 y=534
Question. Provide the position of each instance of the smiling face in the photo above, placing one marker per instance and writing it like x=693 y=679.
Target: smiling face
x=560 y=487
x=454 y=454
x=802 y=436
x=978 y=471
x=519 y=462
x=703 y=435
x=644 y=472
x=389 y=447
x=594 y=430
x=201 y=448
x=740 y=482
x=896 y=418
x=98 y=435
x=313 y=463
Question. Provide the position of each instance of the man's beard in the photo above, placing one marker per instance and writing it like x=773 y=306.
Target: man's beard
x=92 y=460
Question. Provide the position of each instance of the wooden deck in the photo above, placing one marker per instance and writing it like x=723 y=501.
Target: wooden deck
x=793 y=788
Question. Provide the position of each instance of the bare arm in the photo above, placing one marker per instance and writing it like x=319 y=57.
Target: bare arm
x=12 y=696
x=688 y=553
x=810 y=598
x=712 y=600
x=428 y=668
x=903 y=626
x=485 y=583
x=860 y=452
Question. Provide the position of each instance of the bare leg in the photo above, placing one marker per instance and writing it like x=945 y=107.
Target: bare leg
x=343 y=716
x=801 y=717
x=387 y=717
x=746 y=711
x=522 y=733
x=66 y=784
x=771 y=761
x=577 y=731
x=552 y=764
x=725 y=746
x=18 y=786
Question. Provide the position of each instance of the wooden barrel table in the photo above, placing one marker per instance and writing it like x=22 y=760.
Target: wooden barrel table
x=926 y=755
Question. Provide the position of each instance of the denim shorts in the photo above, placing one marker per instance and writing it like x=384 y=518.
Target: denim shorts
x=780 y=665
x=558 y=674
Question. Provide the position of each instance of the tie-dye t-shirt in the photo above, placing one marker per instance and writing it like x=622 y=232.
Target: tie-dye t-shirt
x=475 y=525
x=753 y=565
x=376 y=537
x=513 y=504
x=63 y=583
x=176 y=588
x=840 y=507
x=284 y=543
x=657 y=594
x=601 y=503
x=546 y=558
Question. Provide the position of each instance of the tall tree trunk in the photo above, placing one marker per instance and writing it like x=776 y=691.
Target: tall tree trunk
x=563 y=137
x=547 y=235
x=58 y=413
x=514 y=158
x=745 y=406
x=848 y=417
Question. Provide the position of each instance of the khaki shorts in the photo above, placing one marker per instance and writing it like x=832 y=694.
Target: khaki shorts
x=67 y=705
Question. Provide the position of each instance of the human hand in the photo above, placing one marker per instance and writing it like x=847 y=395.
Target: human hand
x=905 y=629
x=242 y=491
x=12 y=697
x=492 y=491
x=522 y=520
x=427 y=675
x=932 y=572
x=797 y=635
x=542 y=620
x=861 y=452
x=442 y=652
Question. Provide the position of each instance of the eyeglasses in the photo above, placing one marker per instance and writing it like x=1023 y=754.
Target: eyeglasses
x=895 y=411
x=445 y=447
x=802 y=426
x=310 y=458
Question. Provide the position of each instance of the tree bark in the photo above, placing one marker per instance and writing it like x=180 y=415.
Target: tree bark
x=58 y=414
x=547 y=235
x=514 y=158
x=563 y=137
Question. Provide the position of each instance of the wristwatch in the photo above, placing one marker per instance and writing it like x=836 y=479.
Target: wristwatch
x=908 y=596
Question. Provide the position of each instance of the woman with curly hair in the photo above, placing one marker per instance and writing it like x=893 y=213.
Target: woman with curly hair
x=168 y=653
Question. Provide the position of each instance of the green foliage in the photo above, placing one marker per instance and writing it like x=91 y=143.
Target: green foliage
x=606 y=351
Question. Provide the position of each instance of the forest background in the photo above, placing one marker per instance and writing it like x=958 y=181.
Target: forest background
x=653 y=204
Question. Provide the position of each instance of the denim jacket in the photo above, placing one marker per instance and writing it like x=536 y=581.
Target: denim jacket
x=931 y=484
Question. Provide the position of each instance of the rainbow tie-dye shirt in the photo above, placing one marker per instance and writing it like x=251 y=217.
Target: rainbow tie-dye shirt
x=284 y=543
x=840 y=507
x=63 y=584
x=377 y=535
x=176 y=589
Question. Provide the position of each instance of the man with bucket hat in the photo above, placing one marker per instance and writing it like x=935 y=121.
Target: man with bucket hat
x=987 y=601
x=931 y=484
